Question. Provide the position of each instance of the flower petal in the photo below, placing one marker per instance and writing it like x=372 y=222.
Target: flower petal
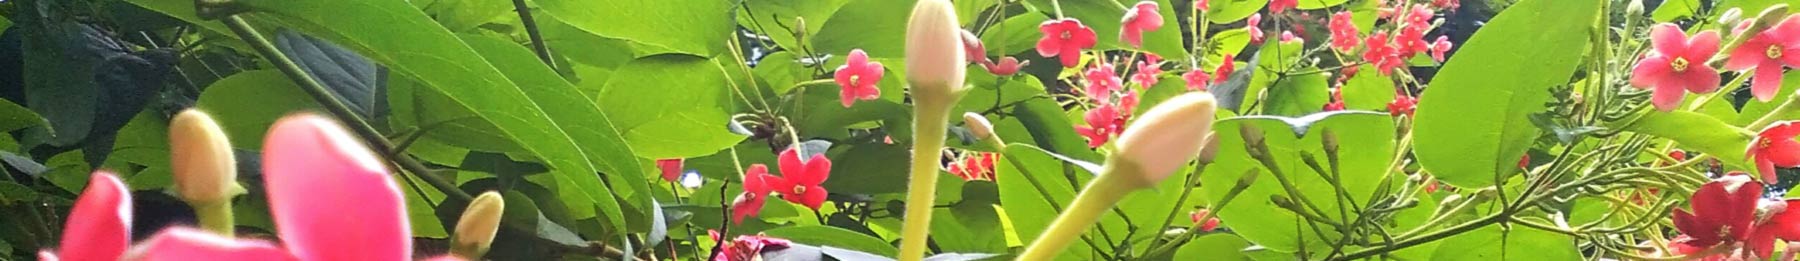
x=790 y=164
x=817 y=170
x=813 y=198
x=312 y=168
x=756 y=180
x=99 y=225
x=1666 y=96
x=1702 y=46
x=1767 y=80
x=1700 y=78
x=1650 y=71
x=179 y=243
x=1668 y=39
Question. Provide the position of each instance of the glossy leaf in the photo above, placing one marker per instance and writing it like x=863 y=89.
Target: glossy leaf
x=1216 y=246
x=700 y=28
x=1698 y=133
x=247 y=103
x=672 y=106
x=1519 y=243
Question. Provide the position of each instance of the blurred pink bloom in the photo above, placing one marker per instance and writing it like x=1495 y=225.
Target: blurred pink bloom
x=180 y=243
x=1064 y=39
x=99 y=225
x=1139 y=19
x=1343 y=32
x=1102 y=81
x=1223 y=73
x=1767 y=53
x=857 y=77
x=745 y=247
x=671 y=168
x=756 y=192
x=1211 y=222
x=1006 y=67
x=1147 y=70
x=1775 y=147
x=1196 y=79
x=1439 y=47
x=1254 y=24
x=1279 y=6
x=1677 y=65
x=312 y=167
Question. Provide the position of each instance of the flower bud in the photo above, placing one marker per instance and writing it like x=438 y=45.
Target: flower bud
x=978 y=125
x=1211 y=150
x=799 y=27
x=475 y=230
x=1634 y=8
x=205 y=170
x=1730 y=17
x=935 y=62
x=1168 y=135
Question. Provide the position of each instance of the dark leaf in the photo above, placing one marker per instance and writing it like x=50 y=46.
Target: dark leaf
x=354 y=79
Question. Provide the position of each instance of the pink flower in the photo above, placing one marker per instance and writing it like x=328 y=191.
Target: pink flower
x=1288 y=36
x=1006 y=67
x=1254 y=25
x=99 y=225
x=746 y=247
x=1402 y=105
x=1202 y=5
x=1343 y=32
x=1775 y=147
x=1140 y=18
x=1722 y=211
x=312 y=167
x=800 y=179
x=1446 y=4
x=1279 y=6
x=1101 y=81
x=1223 y=73
x=1128 y=103
x=978 y=167
x=1145 y=76
x=671 y=168
x=1337 y=100
x=1064 y=39
x=972 y=47
x=1196 y=80
x=858 y=76
x=180 y=243
x=1383 y=55
x=756 y=192
x=1211 y=222
x=1677 y=63
x=1103 y=122
x=1767 y=52
x=1439 y=47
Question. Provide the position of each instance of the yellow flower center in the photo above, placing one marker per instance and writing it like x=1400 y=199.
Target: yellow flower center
x=1764 y=143
x=1066 y=35
x=1773 y=52
x=1679 y=64
x=798 y=189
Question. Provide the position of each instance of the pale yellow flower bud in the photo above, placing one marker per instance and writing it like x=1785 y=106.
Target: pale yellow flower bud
x=205 y=169
x=935 y=62
x=475 y=230
x=978 y=125
x=1167 y=136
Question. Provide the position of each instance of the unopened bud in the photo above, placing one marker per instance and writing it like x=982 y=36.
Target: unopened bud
x=475 y=230
x=1253 y=140
x=205 y=170
x=978 y=125
x=1634 y=8
x=972 y=47
x=799 y=27
x=1729 y=17
x=1168 y=135
x=935 y=62
x=1210 y=151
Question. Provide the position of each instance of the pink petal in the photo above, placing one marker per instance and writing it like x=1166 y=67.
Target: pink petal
x=1699 y=78
x=872 y=75
x=857 y=57
x=843 y=75
x=99 y=225
x=1133 y=36
x=813 y=198
x=1764 y=166
x=1741 y=212
x=1070 y=57
x=1668 y=39
x=1790 y=60
x=1650 y=71
x=1767 y=81
x=1750 y=54
x=179 y=243
x=791 y=165
x=847 y=95
x=1666 y=96
x=754 y=180
x=671 y=168
x=1690 y=225
x=1702 y=47
x=1783 y=153
x=1787 y=223
x=331 y=198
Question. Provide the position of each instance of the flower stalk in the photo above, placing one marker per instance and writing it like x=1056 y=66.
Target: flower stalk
x=205 y=169
x=935 y=64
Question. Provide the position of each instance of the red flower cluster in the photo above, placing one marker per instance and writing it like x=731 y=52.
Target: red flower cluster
x=1337 y=100
x=799 y=183
x=1103 y=122
x=1147 y=70
x=1402 y=104
x=1211 y=223
x=977 y=54
x=1279 y=6
x=1731 y=209
x=745 y=247
x=1676 y=65
x=1343 y=32
x=1775 y=147
x=1254 y=24
x=977 y=167
x=1102 y=81
x=1139 y=19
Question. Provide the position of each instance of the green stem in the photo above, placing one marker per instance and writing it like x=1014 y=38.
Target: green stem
x=337 y=107
x=1243 y=183
x=1099 y=195
x=930 y=119
x=215 y=217
x=1786 y=107
x=531 y=29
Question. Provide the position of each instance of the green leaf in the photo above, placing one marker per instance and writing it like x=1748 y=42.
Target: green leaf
x=13 y=193
x=1699 y=133
x=869 y=168
x=1672 y=10
x=833 y=236
x=671 y=106
x=1368 y=90
x=1272 y=60
x=878 y=27
x=968 y=11
x=1227 y=42
x=1471 y=127
x=1298 y=95
x=822 y=114
x=1228 y=11
x=585 y=48
x=697 y=27
x=1750 y=7
x=773 y=18
x=1017 y=34
x=1520 y=243
x=184 y=10
x=1366 y=142
x=1216 y=246
x=14 y=117
x=413 y=45
x=462 y=15
x=1166 y=41
x=1027 y=175
x=1319 y=4
x=247 y=103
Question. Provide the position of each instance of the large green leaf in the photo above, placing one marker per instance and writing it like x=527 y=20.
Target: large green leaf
x=1366 y=146
x=1227 y=11
x=878 y=27
x=462 y=15
x=1016 y=34
x=775 y=18
x=413 y=45
x=692 y=27
x=1676 y=9
x=1027 y=175
x=1217 y=246
x=1297 y=95
x=833 y=236
x=1317 y=4
x=1519 y=243
x=1368 y=90
x=1472 y=127
x=1698 y=132
x=869 y=168
x=671 y=106
x=245 y=104
x=14 y=117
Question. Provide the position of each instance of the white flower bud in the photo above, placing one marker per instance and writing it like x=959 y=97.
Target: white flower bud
x=475 y=230
x=978 y=125
x=934 y=49
x=1168 y=135
x=205 y=170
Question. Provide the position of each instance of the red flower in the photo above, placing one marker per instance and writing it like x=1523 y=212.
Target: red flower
x=1678 y=63
x=1383 y=55
x=1775 y=147
x=1140 y=18
x=99 y=224
x=1402 y=104
x=1223 y=73
x=1128 y=103
x=1766 y=51
x=800 y=179
x=1101 y=81
x=1723 y=210
x=1196 y=80
x=671 y=168
x=1147 y=71
x=1103 y=122
x=745 y=247
x=1439 y=47
x=1279 y=6
x=1064 y=39
x=1211 y=223
x=1343 y=31
x=978 y=167
x=1288 y=36
x=858 y=76
x=1446 y=4
x=1007 y=66
x=1524 y=161
x=1202 y=5
x=1774 y=222
x=1411 y=39
x=1337 y=100
x=973 y=49
x=1254 y=25
x=756 y=192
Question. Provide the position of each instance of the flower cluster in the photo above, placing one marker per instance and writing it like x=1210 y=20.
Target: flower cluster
x=1731 y=210
x=800 y=182
x=978 y=166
